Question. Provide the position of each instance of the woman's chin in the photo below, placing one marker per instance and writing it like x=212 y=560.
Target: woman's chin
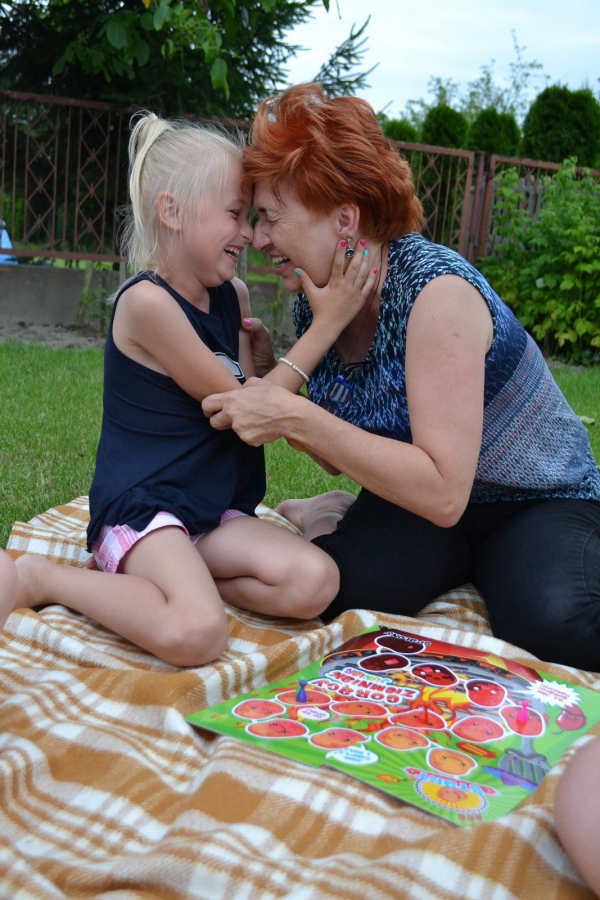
x=291 y=283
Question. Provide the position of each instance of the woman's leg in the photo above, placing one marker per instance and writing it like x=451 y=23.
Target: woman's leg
x=391 y=560
x=165 y=601
x=577 y=812
x=539 y=573
x=8 y=587
x=266 y=569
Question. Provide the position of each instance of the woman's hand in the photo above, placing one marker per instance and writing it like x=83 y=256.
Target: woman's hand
x=260 y=346
x=348 y=290
x=259 y=413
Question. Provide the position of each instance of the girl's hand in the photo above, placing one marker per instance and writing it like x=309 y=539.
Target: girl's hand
x=346 y=293
x=260 y=346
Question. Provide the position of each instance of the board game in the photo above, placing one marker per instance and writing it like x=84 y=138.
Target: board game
x=461 y=733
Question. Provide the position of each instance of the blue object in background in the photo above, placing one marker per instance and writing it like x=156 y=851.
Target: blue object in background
x=4 y=243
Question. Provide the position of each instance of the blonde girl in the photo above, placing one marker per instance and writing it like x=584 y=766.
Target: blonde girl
x=172 y=524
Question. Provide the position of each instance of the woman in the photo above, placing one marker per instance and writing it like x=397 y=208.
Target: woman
x=434 y=400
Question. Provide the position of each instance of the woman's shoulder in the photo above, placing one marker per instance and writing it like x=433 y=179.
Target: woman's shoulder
x=415 y=261
x=414 y=255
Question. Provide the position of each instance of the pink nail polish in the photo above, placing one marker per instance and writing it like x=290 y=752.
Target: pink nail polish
x=362 y=243
x=247 y=323
x=342 y=243
x=374 y=271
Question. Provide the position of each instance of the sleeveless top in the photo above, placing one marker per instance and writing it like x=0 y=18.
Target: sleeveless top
x=157 y=449
x=533 y=447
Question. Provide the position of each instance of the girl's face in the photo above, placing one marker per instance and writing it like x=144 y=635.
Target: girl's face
x=215 y=239
x=293 y=236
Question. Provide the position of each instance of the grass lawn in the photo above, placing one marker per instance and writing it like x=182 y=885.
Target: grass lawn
x=50 y=410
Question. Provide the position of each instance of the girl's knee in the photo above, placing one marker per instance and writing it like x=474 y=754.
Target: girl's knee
x=314 y=581
x=194 y=641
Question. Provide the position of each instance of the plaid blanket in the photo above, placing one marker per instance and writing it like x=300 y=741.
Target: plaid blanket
x=108 y=793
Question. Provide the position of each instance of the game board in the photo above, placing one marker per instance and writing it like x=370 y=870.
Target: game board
x=461 y=733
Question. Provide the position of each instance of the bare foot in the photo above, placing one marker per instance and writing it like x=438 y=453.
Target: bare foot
x=30 y=571
x=317 y=515
x=8 y=586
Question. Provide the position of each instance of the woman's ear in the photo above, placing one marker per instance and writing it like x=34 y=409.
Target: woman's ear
x=348 y=219
x=167 y=210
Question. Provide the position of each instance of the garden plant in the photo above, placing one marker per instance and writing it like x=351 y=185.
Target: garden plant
x=547 y=266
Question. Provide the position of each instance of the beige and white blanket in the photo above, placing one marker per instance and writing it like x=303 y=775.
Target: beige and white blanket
x=107 y=792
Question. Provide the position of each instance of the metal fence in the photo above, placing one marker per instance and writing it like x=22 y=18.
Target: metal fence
x=62 y=175
x=63 y=179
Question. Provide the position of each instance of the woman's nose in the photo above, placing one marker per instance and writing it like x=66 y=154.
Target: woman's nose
x=261 y=238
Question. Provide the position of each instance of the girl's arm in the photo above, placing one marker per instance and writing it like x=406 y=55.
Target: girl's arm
x=449 y=332
x=151 y=328
x=333 y=308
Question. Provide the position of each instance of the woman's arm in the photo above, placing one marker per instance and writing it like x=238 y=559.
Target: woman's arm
x=449 y=332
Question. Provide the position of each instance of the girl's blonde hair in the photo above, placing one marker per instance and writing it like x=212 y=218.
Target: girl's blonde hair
x=189 y=161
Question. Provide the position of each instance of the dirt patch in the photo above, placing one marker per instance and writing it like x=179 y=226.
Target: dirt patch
x=56 y=336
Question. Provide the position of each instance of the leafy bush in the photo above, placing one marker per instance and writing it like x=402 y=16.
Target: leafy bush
x=562 y=123
x=400 y=130
x=547 y=268
x=444 y=127
x=494 y=132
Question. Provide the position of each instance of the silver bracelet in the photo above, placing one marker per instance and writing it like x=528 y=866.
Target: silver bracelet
x=294 y=367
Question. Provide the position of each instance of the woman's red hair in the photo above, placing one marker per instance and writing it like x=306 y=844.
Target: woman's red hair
x=330 y=151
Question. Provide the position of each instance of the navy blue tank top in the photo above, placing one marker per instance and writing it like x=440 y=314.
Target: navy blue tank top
x=157 y=449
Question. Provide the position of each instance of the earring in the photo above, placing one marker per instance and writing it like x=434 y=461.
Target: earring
x=350 y=249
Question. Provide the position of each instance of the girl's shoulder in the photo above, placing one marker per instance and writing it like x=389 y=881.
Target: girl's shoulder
x=243 y=296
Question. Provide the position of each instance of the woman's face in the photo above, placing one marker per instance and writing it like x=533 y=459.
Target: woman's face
x=294 y=237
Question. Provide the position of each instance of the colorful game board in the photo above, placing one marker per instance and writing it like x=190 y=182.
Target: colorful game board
x=460 y=733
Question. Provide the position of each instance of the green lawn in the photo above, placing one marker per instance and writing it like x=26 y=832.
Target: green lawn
x=50 y=408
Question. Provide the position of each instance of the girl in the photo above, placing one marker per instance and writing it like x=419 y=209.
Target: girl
x=172 y=501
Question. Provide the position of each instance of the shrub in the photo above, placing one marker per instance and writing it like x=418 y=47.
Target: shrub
x=444 y=127
x=494 y=132
x=400 y=130
x=562 y=123
x=547 y=268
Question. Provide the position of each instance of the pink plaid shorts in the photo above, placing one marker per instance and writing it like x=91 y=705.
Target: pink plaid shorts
x=114 y=541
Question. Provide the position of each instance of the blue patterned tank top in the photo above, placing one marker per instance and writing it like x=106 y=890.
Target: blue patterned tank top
x=533 y=447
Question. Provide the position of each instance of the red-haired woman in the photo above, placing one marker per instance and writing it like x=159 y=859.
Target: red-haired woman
x=433 y=399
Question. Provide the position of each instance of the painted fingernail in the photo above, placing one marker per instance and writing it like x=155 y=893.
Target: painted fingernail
x=365 y=252
x=247 y=322
x=362 y=243
x=297 y=272
x=374 y=271
x=342 y=243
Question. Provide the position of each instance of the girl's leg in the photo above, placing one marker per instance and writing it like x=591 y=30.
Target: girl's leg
x=539 y=574
x=165 y=601
x=8 y=587
x=266 y=569
x=577 y=812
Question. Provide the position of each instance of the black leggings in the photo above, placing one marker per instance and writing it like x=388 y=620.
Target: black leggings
x=536 y=563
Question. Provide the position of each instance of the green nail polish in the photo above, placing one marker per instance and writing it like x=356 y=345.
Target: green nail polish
x=366 y=253
x=297 y=272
